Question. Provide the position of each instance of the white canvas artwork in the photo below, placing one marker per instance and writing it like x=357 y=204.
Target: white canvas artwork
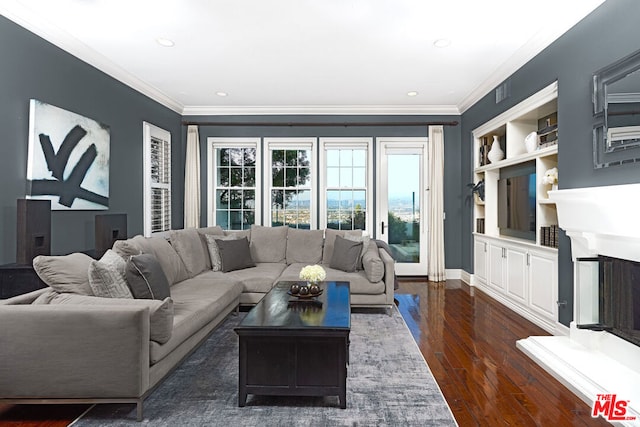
x=68 y=159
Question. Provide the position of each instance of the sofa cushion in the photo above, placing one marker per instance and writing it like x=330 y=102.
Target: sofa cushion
x=304 y=246
x=188 y=244
x=169 y=259
x=255 y=279
x=239 y=233
x=268 y=244
x=214 y=252
x=372 y=263
x=66 y=273
x=107 y=276
x=196 y=302
x=346 y=254
x=364 y=238
x=203 y=232
x=235 y=254
x=329 y=240
x=160 y=312
x=146 y=277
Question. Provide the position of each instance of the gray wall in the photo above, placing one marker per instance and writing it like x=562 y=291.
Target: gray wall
x=608 y=34
x=452 y=185
x=33 y=68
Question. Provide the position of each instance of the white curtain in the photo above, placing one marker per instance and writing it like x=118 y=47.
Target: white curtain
x=435 y=263
x=192 y=179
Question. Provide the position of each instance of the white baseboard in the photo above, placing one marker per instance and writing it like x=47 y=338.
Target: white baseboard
x=453 y=273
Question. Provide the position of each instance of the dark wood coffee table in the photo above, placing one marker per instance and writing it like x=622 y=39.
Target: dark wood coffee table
x=290 y=347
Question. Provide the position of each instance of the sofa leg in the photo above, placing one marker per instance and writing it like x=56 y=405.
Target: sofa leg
x=139 y=410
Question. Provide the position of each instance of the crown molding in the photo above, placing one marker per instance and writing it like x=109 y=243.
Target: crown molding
x=18 y=13
x=321 y=110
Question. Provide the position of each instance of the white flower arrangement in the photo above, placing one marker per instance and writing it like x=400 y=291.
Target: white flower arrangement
x=313 y=273
x=550 y=176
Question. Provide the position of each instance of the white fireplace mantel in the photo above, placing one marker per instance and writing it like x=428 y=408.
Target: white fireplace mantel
x=599 y=221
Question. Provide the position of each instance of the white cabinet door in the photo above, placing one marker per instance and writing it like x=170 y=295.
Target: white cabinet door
x=496 y=267
x=517 y=274
x=543 y=285
x=480 y=260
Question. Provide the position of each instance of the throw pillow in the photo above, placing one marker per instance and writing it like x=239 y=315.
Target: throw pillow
x=66 y=273
x=235 y=254
x=214 y=252
x=372 y=263
x=216 y=229
x=329 y=239
x=346 y=254
x=107 y=276
x=364 y=238
x=146 y=277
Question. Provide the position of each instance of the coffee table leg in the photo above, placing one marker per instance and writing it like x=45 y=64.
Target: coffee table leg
x=242 y=397
x=343 y=400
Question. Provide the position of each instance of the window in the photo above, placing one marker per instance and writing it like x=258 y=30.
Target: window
x=345 y=199
x=234 y=180
x=290 y=177
x=157 y=179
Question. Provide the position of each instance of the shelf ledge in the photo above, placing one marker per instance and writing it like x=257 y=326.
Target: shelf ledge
x=544 y=152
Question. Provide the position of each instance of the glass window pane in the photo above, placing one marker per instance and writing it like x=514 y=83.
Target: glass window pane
x=235 y=156
x=249 y=199
x=291 y=157
x=360 y=158
x=277 y=157
x=249 y=177
x=278 y=176
x=333 y=219
x=222 y=219
x=333 y=158
x=236 y=177
x=277 y=217
x=333 y=177
x=236 y=220
x=222 y=199
x=249 y=156
x=291 y=200
x=223 y=177
x=360 y=198
x=346 y=177
x=223 y=157
x=346 y=157
x=304 y=158
x=248 y=218
x=359 y=177
x=304 y=177
x=291 y=177
x=235 y=199
x=277 y=199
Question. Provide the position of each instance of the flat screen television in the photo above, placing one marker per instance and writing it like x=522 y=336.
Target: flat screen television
x=517 y=201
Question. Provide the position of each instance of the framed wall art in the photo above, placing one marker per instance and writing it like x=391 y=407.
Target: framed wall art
x=68 y=159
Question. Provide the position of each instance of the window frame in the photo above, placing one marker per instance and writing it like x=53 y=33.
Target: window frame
x=309 y=143
x=346 y=143
x=149 y=132
x=215 y=143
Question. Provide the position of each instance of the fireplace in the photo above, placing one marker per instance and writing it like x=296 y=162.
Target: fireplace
x=599 y=354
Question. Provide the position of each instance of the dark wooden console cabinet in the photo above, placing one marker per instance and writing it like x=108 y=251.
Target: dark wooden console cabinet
x=17 y=279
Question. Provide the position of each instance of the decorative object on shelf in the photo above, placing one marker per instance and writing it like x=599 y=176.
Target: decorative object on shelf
x=495 y=154
x=531 y=142
x=478 y=190
x=484 y=151
x=549 y=236
x=551 y=177
x=313 y=274
x=480 y=225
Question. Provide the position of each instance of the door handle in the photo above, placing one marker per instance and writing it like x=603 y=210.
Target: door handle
x=383 y=226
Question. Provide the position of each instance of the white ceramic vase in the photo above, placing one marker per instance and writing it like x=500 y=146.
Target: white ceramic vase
x=531 y=142
x=495 y=154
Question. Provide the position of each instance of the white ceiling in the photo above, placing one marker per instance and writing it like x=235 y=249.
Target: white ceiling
x=304 y=56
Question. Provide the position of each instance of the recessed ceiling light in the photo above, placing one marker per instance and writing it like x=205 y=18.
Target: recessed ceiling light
x=165 y=42
x=223 y=94
x=412 y=93
x=442 y=43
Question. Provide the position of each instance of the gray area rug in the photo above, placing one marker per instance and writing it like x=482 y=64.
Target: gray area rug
x=389 y=383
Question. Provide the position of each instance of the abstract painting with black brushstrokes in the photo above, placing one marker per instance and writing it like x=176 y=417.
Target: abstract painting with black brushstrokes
x=68 y=159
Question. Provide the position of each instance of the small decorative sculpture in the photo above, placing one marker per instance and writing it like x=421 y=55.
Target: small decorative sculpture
x=495 y=154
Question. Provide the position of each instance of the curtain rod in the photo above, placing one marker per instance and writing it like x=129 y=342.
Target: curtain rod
x=323 y=124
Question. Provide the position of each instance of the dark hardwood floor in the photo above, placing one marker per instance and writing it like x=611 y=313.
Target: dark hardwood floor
x=468 y=341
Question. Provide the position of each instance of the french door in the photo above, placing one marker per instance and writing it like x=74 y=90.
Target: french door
x=402 y=202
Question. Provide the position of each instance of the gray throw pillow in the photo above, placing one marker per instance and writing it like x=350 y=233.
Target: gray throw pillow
x=146 y=278
x=65 y=273
x=214 y=252
x=235 y=254
x=107 y=276
x=372 y=263
x=346 y=254
x=364 y=238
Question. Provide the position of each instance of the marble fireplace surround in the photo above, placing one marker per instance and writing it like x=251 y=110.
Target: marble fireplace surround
x=599 y=221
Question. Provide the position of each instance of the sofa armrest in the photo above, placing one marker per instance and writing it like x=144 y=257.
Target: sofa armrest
x=56 y=351
x=389 y=275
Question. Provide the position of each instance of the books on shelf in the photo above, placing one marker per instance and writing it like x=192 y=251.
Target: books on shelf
x=549 y=236
x=480 y=225
x=484 y=151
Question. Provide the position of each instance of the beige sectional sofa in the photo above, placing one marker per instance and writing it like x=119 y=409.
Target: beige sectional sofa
x=64 y=344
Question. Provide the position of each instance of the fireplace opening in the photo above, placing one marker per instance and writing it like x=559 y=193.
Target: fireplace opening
x=619 y=297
